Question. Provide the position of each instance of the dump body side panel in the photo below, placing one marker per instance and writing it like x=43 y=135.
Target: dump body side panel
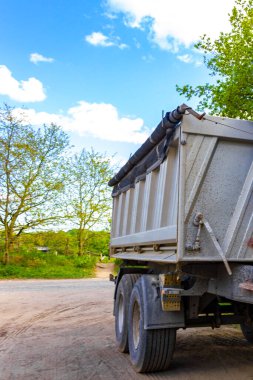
x=218 y=182
x=208 y=173
x=146 y=215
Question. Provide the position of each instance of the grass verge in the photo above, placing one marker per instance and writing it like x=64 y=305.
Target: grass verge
x=49 y=266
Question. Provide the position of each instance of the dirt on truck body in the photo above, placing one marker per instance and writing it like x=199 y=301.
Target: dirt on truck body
x=183 y=225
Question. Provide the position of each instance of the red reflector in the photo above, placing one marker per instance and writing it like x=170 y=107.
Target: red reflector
x=246 y=286
x=250 y=243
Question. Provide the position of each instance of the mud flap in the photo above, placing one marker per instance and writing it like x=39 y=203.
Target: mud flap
x=154 y=316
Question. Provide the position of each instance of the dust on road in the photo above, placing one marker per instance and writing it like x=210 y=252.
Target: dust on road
x=64 y=330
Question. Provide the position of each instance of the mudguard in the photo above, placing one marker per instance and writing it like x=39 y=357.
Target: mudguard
x=154 y=316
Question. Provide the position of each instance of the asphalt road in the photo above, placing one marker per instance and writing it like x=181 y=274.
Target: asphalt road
x=64 y=330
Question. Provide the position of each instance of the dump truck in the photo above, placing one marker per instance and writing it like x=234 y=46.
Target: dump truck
x=182 y=225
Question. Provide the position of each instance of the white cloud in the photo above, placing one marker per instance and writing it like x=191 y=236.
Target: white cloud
x=99 y=39
x=137 y=43
x=99 y=120
x=175 y=23
x=36 y=58
x=30 y=90
x=186 y=58
x=111 y=16
x=148 y=58
x=122 y=46
x=189 y=58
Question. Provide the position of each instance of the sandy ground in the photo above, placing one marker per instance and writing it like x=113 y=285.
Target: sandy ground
x=64 y=330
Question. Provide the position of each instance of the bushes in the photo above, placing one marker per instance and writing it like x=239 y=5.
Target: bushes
x=61 y=260
x=86 y=261
x=46 y=265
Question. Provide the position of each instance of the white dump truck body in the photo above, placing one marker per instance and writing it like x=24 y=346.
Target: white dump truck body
x=183 y=226
x=206 y=173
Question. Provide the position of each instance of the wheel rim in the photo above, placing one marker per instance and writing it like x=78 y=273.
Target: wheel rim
x=136 y=325
x=121 y=313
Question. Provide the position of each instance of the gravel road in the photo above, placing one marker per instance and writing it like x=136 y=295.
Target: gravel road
x=64 y=330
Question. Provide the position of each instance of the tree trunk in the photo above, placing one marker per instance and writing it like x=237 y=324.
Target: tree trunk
x=67 y=247
x=6 y=255
x=8 y=245
x=80 y=242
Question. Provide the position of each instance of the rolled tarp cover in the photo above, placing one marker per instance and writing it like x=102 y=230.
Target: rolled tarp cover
x=168 y=123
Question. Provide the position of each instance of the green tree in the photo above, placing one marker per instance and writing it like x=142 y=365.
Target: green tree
x=230 y=61
x=88 y=198
x=57 y=241
x=98 y=242
x=30 y=175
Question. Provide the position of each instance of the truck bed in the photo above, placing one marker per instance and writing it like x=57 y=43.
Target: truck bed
x=189 y=198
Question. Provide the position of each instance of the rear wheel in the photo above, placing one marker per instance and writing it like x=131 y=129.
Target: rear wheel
x=121 y=310
x=247 y=330
x=150 y=350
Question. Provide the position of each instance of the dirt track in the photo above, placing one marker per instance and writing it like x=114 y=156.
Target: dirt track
x=63 y=330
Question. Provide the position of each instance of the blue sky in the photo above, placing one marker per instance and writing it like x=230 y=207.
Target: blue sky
x=103 y=70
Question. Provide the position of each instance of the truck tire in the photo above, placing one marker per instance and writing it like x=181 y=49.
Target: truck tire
x=247 y=331
x=121 y=310
x=150 y=350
